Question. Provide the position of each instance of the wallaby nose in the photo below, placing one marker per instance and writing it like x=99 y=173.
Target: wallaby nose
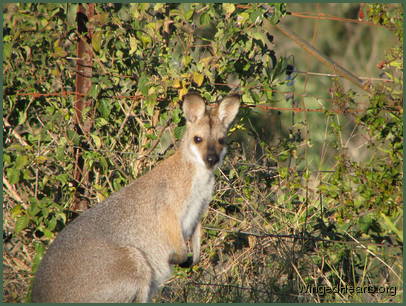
x=212 y=159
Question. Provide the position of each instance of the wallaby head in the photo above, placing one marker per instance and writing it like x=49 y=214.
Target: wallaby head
x=204 y=140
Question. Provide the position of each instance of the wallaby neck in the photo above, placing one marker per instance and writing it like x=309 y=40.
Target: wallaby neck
x=199 y=195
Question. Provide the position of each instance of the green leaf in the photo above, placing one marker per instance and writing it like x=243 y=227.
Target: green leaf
x=247 y=98
x=13 y=175
x=188 y=14
x=205 y=19
x=229 y=8
x=143 y=84
x=176 y=115
x=61 y=216
x=100 y=122
x=39 y=250
x=45 y=211
x=59 y=52
x=388 y=222
x=21 y=223
x=6 y=160
x=243 y=17
x=97 y=41
x=51 y=224
x=48 y=234
x=17 y=211
x=21 y=161
x=145 y=39
x=7 y=48
x=73 y=136
x=104 y=107
x=63 y=178
x=151 y=136
x=133 y=45
x=33 y=210
x=103 y=163
x=179 y=131
x=159 y=7
x=198 y=78
x=365 y=222
x=96 y=140
x=71 y=14
x=258 y=36
x=22 y=117
x=186 y=60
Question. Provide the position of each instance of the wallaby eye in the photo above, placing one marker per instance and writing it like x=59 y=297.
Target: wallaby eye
x=197 y=139
x=221 y=141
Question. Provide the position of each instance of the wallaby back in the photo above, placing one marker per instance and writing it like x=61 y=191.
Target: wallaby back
x=122 y=249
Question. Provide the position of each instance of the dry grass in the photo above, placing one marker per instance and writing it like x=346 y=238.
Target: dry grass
x=17 y=260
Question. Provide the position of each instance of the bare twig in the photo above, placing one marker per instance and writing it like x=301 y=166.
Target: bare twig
x=374 y=255
x=321 y=16
x=12 y=192
x=14 y=133
x=292 y=236
x=317 y=54
x=332 y=75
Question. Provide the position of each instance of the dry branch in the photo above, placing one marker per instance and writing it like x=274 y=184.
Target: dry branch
x=317 y=54
x=12 y=192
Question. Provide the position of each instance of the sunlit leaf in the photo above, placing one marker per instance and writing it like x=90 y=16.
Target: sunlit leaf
x=97 y=140
x=21 y=223
x=97 y=41
x=229 y=8
x=198 y=78
x=181 y=92
x=133 y=44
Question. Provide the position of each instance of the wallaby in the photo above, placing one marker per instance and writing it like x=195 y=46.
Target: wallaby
x=122 y=249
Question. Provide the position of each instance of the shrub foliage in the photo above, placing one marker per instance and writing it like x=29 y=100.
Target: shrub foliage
x=274 y=226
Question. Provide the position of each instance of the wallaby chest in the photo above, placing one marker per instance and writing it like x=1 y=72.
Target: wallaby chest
x=197 y=201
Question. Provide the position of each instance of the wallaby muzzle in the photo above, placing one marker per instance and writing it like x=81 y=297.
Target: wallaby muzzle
x=212 y=159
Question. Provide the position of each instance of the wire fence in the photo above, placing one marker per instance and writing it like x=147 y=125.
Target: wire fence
x=299 y=99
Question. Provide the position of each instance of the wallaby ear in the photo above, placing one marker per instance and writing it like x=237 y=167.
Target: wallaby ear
x=193 y=107
x=228 y=109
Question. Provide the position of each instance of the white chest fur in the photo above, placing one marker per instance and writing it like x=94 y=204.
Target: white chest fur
x=198 y=200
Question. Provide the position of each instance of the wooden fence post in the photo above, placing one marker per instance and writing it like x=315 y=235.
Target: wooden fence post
x=83 y=85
